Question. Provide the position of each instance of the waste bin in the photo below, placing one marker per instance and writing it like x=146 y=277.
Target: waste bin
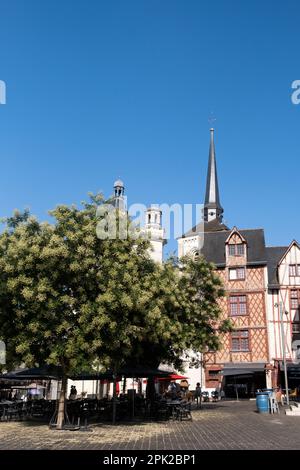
x=262 y=402
x=269 y=391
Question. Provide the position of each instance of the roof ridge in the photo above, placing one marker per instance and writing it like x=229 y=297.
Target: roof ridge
x=277 y=246
x=248 y=229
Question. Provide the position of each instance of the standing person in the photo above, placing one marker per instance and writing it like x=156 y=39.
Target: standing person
x=73 y=393
x=198 y=393
x=172 y=390
x=279 y=396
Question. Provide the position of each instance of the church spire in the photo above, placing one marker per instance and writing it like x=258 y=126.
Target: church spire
x=212 y=206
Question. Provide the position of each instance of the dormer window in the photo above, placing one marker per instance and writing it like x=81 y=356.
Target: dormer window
x=237 y=249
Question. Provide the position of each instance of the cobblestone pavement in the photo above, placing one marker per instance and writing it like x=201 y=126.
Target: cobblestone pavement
x=223 y=425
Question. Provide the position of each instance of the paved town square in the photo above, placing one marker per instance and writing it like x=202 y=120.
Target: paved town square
x=149 y=232
x=224 y=426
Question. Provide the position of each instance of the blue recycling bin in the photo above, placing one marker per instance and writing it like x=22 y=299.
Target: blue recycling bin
x=262 y=402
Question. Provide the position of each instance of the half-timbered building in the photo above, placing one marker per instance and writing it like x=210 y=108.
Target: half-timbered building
x=258 y=282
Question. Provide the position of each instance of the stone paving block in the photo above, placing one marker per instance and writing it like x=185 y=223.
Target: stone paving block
x=224 y=425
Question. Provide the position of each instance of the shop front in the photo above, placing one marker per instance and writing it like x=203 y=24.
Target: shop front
x=243 y=380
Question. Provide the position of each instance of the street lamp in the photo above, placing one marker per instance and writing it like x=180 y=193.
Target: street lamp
x=283 y=351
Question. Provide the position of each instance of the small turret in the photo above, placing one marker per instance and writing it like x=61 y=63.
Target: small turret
x=153 y=227
x=119 y=195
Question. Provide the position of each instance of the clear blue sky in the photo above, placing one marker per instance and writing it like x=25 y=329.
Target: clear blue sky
x=102 y=89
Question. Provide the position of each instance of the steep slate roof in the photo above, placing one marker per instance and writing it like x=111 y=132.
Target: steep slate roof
x=274 y=255
x=214 y=246
x=212 y=196
x=212 y=226
x=213 y=250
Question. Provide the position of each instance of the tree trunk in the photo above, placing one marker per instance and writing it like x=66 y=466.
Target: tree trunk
x=150 y=390
x=124 y=386
x=62 y=404
x=114 y=398
x=150 y=395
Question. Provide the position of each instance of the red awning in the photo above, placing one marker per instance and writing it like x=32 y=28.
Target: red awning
x=173 y=377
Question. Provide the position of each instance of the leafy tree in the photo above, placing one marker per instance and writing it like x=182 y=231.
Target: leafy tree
x=183 y=313
x=69 y=299
x=65 y=295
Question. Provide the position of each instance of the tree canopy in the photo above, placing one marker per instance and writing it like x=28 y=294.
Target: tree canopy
x=69 y=299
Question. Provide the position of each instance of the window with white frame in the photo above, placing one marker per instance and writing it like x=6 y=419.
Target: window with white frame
x=237 y=274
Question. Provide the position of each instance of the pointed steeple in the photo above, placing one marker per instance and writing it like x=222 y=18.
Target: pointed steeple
x=212 y=206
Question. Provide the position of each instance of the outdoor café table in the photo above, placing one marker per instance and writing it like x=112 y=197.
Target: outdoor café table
x=173 y=406
x=4 y=404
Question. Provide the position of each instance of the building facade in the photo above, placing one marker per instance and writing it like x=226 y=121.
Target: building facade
x=259 y=283
x=262 y=296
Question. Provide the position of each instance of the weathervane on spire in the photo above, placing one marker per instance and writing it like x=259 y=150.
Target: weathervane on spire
x=211 y=119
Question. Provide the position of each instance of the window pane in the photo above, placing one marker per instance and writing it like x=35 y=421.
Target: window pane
x=241 y=273
x=240 y=249
x=243 y=309
x=292 y=270
x=238 y=305
x=231 y=250
x=232 y=274
x=240 y=340
x=296 y=327
x=295 y=299
x=234 y=309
